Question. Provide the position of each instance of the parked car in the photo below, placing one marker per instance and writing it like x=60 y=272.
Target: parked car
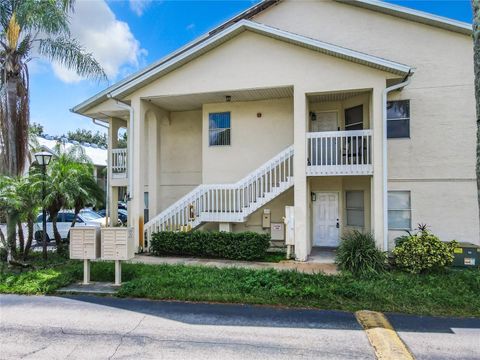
x=64 y=223
x=122 y=215
x=122 y=205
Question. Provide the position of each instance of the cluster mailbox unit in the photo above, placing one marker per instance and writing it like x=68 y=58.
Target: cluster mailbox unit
x=117 y=244
x=110 y=243
x=85 y=245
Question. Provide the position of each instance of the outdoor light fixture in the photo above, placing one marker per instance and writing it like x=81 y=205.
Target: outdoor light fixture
x=228 y=98
x=313 y=196
x=43 y=159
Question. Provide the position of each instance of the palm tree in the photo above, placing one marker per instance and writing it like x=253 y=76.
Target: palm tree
x=27 y=27
x=70 y=185
x=476 y=66
x=20 y=197
x=28 y=194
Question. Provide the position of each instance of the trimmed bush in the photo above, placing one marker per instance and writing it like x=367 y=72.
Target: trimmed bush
x=224 y=245
x=359 y=255
x=423 y=252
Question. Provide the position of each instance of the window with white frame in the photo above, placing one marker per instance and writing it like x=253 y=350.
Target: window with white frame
x=354 y=201
x=398 y=119
x=399 y=210
x=219 y=129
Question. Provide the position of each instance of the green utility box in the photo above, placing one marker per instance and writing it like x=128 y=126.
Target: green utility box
x=466 y=255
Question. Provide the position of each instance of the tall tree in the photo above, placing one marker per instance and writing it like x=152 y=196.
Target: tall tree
x=476 y=66
x=28 y=27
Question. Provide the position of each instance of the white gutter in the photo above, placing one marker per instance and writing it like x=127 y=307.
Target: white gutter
x=124 y=105
x=385 y=93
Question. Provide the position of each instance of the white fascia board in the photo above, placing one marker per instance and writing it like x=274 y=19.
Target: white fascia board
x=243 y=25
x=413 y=15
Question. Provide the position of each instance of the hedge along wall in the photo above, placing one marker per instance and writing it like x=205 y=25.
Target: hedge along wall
x=225 y=245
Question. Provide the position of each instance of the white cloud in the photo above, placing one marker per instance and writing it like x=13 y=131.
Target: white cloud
x=110 y=41
x=190 y=27
x=139 y=6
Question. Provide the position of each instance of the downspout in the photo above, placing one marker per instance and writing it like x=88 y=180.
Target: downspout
x=107 y=192
x=385 y=93
x=129 y=145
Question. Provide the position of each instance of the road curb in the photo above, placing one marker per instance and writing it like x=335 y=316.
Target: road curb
x=382 y=336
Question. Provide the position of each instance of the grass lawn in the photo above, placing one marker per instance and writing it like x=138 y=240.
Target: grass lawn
x=453 y=293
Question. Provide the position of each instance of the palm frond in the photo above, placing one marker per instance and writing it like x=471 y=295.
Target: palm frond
x=69 y=53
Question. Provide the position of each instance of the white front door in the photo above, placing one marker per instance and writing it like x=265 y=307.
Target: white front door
x=326 y=219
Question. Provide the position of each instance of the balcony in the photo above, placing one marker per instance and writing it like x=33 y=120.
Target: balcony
x=339 y=153
x=119 y=163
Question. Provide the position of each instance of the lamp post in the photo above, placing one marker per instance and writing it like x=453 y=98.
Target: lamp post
x=43 y=159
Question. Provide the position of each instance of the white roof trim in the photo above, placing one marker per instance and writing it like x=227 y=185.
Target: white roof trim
x=244 y=25
x=412 y=14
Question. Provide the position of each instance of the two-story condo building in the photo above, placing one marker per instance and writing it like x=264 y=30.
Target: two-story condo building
x=360 y=114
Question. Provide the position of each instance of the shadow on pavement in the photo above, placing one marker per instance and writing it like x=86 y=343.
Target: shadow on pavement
x=230 y=315
x=412 y=323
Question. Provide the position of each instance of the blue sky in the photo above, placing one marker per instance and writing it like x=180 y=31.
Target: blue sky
x=127 y=35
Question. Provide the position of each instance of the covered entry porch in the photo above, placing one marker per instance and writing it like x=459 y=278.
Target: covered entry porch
x=337 y=205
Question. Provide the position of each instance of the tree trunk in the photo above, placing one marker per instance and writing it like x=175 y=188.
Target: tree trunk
x=476 y=67
x=75 y=218
x=28 y=245
x=58 y=237
x=21 y=237
x=12 y=233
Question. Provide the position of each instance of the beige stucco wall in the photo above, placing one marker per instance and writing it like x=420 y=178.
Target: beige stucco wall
x=250 y=61
x=445 y=206
x=253 y=140
x=180 y=157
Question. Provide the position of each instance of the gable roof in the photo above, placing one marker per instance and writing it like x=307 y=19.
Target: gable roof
x=380 y=6
x=154 y=72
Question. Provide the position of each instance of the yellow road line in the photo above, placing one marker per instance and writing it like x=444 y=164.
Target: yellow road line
x=382 y=336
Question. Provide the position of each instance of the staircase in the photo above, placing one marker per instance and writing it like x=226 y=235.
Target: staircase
x=227 y=202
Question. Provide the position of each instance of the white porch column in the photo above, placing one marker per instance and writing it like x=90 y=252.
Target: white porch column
x=136 y=203
x=114 y=126
x=377 y=183
x=300 y=116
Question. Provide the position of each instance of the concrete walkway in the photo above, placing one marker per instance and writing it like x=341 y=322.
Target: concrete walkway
x=318 y=264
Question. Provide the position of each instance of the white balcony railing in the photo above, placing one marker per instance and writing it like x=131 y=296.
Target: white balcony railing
x=119 y=162
x=339 y=153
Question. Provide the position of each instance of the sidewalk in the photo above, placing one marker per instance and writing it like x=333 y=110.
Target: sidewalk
x=315 y=265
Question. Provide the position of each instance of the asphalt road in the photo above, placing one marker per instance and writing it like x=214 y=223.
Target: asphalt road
x=85 y=327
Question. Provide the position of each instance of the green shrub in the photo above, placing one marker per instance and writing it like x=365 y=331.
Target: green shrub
x=225 y=245
x=422 y=252
x=359 y=255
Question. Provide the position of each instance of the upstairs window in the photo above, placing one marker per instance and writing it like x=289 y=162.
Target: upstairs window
x=398 y=119
x=219 y=129
x=355 y=208
x=354 y=118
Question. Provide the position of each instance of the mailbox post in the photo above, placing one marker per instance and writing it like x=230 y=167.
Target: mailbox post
x=289 y=221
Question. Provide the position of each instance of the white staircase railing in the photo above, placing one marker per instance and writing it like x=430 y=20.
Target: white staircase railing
x=227 y=202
